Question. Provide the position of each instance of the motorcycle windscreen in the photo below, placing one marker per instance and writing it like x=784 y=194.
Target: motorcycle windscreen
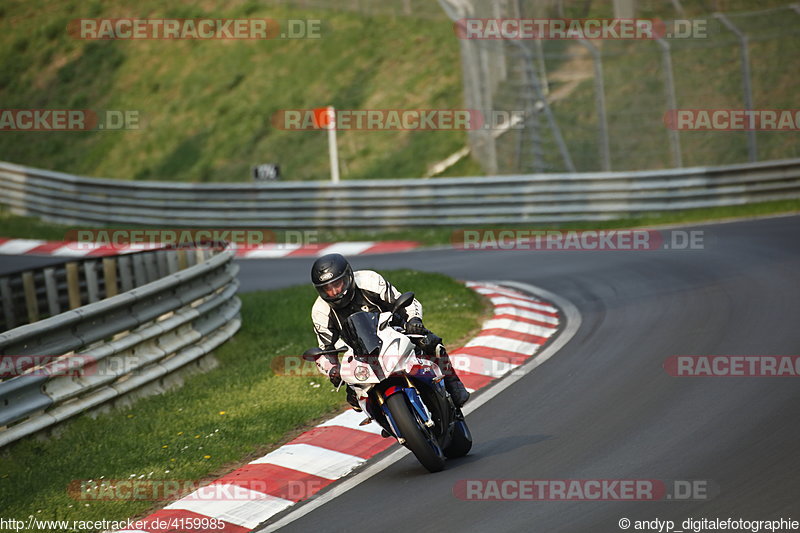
x=360 y=332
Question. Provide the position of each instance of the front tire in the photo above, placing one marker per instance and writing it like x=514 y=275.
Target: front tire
x=418 y=438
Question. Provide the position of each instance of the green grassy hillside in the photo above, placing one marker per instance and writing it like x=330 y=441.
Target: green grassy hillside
x=206 y=106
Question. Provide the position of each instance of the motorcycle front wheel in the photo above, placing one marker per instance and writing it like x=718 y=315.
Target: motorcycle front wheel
x=419 y=438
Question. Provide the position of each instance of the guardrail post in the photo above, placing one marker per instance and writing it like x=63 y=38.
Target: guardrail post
x=150 y=266
x=183 y=259
x=139 y=273
x=110 y=276
x=172 y=261
x=31 y=305
x=125 y=272
x=161 y=261
x=8 y=308
x=73 y=285
x=92 y=287
x=53 y=307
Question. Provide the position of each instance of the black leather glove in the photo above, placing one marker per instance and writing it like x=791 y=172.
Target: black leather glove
x=334 y=376
x=415 y=327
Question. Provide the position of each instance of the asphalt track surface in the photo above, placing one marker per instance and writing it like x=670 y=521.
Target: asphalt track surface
x=604 y=407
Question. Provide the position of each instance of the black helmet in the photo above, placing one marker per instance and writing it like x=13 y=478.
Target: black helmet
x=332 y=276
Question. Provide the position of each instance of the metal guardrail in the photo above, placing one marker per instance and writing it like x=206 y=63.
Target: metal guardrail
x=33 y=294
x=118 y=344
x=536 y=198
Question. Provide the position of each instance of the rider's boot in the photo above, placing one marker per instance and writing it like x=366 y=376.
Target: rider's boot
x=452 y=383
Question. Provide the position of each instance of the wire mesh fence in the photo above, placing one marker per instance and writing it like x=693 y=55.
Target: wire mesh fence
x=602 y=104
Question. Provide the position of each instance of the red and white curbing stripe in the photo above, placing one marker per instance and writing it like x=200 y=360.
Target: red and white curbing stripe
x=252 y=494
x=315 y=250
x=520 y=326
x=264 y=251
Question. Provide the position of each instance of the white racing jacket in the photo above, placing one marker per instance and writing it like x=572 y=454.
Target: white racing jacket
x=373 y=293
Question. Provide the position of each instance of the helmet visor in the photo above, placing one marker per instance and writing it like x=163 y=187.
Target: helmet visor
x=334 y=289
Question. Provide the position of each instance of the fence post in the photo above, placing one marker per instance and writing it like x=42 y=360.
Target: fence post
x=486 y=101
x=600 y=97
x=669 y=82
x=477 y=89
x=752 y=149
x=624 y=9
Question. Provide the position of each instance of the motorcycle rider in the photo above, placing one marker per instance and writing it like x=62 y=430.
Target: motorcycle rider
x=343 y=292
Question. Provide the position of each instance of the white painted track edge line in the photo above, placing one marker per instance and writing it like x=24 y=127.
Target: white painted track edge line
x=572 y=320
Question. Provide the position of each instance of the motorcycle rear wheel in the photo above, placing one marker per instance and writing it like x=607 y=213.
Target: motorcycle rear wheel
x=461 y=443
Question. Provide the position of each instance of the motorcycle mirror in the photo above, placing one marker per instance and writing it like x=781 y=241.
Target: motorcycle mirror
x=404 y=300
x=312 y=354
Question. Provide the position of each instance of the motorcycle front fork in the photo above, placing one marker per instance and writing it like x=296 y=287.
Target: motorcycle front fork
x=413 y=397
